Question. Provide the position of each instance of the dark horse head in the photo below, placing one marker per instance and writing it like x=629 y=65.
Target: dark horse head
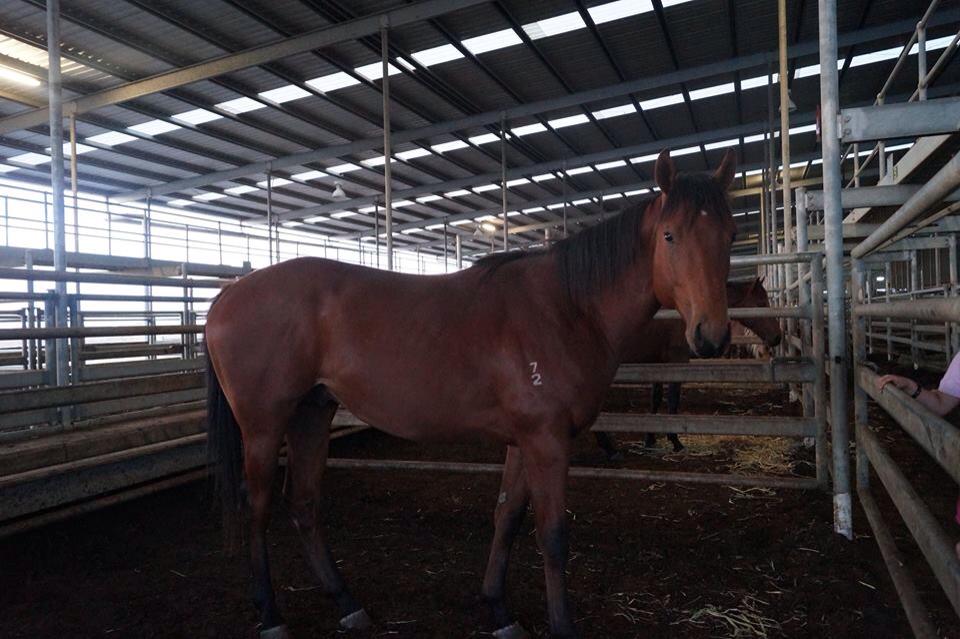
x=691 y=251
x=752 y=294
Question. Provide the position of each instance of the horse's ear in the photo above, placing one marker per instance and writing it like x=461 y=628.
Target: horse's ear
x=727 y=170
x=664 y=172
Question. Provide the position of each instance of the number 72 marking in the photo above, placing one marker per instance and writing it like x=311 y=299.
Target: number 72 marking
x=535 y=377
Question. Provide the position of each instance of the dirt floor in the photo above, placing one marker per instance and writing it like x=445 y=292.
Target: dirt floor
x=647 y=559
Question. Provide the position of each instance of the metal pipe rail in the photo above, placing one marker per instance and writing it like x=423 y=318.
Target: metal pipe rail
x=96 y=331
x=109 y=278
x=802 y=312
x=775 y=371
x=578 y=472
x=937 y=309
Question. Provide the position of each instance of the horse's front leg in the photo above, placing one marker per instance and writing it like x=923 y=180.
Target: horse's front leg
x=546 y=460
x=508 y=518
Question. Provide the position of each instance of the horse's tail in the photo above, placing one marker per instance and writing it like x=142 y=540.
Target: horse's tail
x=224 y=452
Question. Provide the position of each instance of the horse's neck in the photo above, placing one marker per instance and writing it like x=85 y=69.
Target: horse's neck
x=625 y=307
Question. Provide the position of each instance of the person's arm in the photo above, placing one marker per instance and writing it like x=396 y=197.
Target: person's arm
x=936 y=400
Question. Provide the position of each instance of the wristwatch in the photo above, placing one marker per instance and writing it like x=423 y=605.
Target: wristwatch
x=915 y=394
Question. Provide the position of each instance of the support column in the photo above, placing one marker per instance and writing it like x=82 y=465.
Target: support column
x=387 y=151
x=57 y=177
x=833 y=241
x=789 y=269
x=858 y=286
x=459 y=249
x=503 y=180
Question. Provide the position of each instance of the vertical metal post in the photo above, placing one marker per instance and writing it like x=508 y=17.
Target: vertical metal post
x=952 y=265
x=833 y=240
x=459 y=251
x=772 y=166
x=888 y=275
x=503 y=180
x=914 y=286
x=73 y=184
x=269 y=216
x=789 y=269
x=856 y=165
x=857 y=290
x=922 y=60
x=376 y=231
x=387 y=152
x=820 y=381
x=446 y=246
x=50 y=344
x=56 y=174
x=33 y=352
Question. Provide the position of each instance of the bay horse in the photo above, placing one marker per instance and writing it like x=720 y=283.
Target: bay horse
x=519 y=349
x=665 y=343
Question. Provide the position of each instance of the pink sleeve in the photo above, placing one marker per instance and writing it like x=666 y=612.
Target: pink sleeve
x=950 y=384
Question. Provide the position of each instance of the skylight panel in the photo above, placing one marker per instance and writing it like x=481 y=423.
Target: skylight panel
x=579 y=170
x=241 y=189
x=486 y=138
x=721 y=145
x=377 y=161
x=428 y=198
x=317 y=218
x=485 y=187
x=491 y=41
x=437 y=55
x=449 y=146
x=543 y=177
x=685 y=151
x=340 y=169
x=619 y=9
x=572 y=120
x=207 y=197
x=644 y=158
x=374 y=71
x=536 y=127
x=406 y=65
x=709 y=92
x=18 y=77
x=657 y=103
x=399 y=204
x=461 y=222
x=517 y=182
x=761 y=80
x=179 y=203
x=555 y=26
x=457 y=193
x=434 y=227
x=196 y=116
x=613 y=112
x=368 y=209
x=673 y=3
x=240 y=105
x=637 y=192
x=610 y=165
x=753 y=138
x=111 y=138
x=612 y=196
x=534 y=209
x=33 y=159
x=274 y=183
x=154 y=127
x=342 y=214
x=412 y=154
x=308 y=175
x=6 y=168
x=585 y=200
x=81 y=148
x=332 y=82
x=284 y=94
x=558 y=205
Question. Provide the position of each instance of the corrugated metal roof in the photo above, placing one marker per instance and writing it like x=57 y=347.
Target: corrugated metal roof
x=109 y=42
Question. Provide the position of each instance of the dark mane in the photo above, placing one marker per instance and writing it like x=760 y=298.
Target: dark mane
x=594 y=258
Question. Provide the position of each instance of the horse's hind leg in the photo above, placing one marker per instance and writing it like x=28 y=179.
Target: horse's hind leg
x=261 y=449
x=656 y=398
x=608 y=443
x=508 y=517
x=308 y=440
x=673 y=407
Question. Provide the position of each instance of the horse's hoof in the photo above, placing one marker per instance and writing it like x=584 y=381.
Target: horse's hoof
x=513 y=631
x=277 y=632
x=358 y=620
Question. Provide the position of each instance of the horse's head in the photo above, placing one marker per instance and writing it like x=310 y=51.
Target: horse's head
x=753 y=295
x=691 y=259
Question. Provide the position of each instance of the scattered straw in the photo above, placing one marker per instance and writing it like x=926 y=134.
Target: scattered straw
x=743 y=620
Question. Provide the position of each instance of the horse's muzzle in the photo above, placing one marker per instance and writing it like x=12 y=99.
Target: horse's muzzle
x=704 y=347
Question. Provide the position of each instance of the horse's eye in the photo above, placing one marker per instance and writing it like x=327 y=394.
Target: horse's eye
x=668 y=236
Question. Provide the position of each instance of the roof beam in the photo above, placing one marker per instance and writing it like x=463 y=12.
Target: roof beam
x=255 y=56
x=532 y=108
